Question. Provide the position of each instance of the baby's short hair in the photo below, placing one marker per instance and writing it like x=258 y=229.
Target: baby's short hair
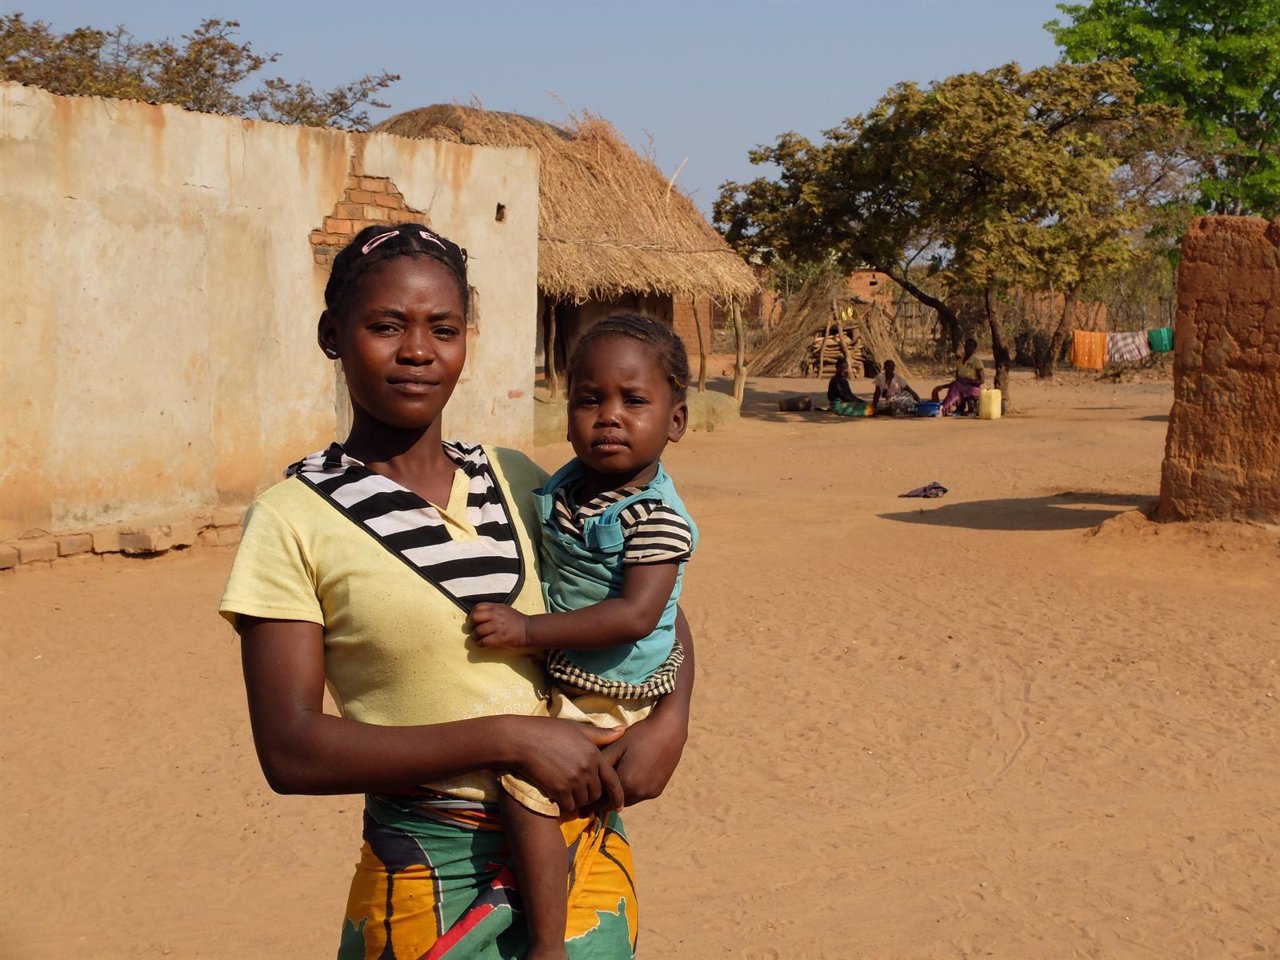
x=668 y=347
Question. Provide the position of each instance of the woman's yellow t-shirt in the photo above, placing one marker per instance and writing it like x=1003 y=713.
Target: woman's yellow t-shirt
x=397 y=652
x=970 y=369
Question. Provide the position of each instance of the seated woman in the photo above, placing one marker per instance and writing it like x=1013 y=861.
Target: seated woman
x=841 y=396
x=968 y=382
x=893 y=394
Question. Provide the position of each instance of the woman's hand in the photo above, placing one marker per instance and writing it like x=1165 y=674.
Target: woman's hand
x=647 y=754
x=563 y=758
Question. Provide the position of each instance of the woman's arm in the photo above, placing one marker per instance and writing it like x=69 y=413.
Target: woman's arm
x=303 y=750
x=648 y=753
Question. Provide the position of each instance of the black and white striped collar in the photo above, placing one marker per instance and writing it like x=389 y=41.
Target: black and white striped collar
x=487 y=567
x=469 y=457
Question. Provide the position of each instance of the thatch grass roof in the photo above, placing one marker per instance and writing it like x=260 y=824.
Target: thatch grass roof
x=609 y=222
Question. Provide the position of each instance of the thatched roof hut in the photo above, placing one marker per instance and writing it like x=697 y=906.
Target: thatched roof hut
x=609 y=222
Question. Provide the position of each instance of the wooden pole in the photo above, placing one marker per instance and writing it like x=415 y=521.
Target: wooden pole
x=549 y=323
x=822 y=347
x=740 y=362
x=702 y=347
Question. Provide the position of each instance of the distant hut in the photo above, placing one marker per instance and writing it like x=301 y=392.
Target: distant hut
x=833 y=316
x=613 y=232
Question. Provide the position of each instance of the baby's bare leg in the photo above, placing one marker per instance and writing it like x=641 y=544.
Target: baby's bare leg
x=541 y=865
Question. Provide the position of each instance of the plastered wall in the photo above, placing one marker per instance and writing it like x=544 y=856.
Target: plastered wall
x=159 y=294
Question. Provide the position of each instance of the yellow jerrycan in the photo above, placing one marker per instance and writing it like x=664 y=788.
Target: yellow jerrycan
x=989 y=404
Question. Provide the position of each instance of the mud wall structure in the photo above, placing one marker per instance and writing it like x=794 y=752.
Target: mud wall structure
x=1222 y=455
x=163 y=274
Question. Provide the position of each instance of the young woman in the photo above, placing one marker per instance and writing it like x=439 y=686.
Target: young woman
x=359 y=571
x=844 y=402
x=893 y=394
x=967 y=386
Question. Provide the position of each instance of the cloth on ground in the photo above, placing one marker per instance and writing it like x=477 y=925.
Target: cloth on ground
x=929 y=491
x=1127 y=347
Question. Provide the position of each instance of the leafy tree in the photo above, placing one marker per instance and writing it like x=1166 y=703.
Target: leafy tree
x=205 y=71
x=1219 y=61
x=994 y=180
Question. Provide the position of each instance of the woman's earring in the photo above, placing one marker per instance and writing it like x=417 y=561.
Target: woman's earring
x=331 y=353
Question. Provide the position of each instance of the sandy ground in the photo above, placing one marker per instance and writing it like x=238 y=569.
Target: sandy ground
x=980 y=726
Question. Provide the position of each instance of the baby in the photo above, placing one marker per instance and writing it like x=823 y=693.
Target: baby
x=615 y=538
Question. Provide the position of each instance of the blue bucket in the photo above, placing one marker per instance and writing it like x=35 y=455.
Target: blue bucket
x=928 y=408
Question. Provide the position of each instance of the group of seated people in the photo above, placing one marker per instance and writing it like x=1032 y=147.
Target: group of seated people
x=893 y=395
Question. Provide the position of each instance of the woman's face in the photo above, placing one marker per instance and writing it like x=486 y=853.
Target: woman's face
x=402 y=339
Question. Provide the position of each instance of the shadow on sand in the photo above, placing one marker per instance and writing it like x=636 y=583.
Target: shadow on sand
x=762 y=405
x=1063 y=511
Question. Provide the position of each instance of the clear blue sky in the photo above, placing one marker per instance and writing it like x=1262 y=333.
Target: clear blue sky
x=705 y=79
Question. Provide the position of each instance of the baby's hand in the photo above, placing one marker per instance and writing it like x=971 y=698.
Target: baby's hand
x=497 y=625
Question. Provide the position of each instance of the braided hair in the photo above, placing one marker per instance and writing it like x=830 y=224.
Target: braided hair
x=377 y=244
x=668 y=347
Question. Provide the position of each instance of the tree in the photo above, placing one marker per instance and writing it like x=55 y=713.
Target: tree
x=205 y=72
x=995 y=180
x=1218 y=61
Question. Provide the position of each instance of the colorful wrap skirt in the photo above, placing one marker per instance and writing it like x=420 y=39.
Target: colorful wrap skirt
x=851 y=408
x=899 y=405
x=434 y=883
x=960 y=390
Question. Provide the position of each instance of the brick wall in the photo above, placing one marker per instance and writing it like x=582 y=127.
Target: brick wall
x=364 y=202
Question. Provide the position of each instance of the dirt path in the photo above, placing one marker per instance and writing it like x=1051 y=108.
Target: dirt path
x=925 y=729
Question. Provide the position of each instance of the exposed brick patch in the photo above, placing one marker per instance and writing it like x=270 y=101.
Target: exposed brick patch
x=365 y=201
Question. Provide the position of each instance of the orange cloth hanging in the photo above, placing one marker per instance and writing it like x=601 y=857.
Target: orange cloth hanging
x=1088 y=350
